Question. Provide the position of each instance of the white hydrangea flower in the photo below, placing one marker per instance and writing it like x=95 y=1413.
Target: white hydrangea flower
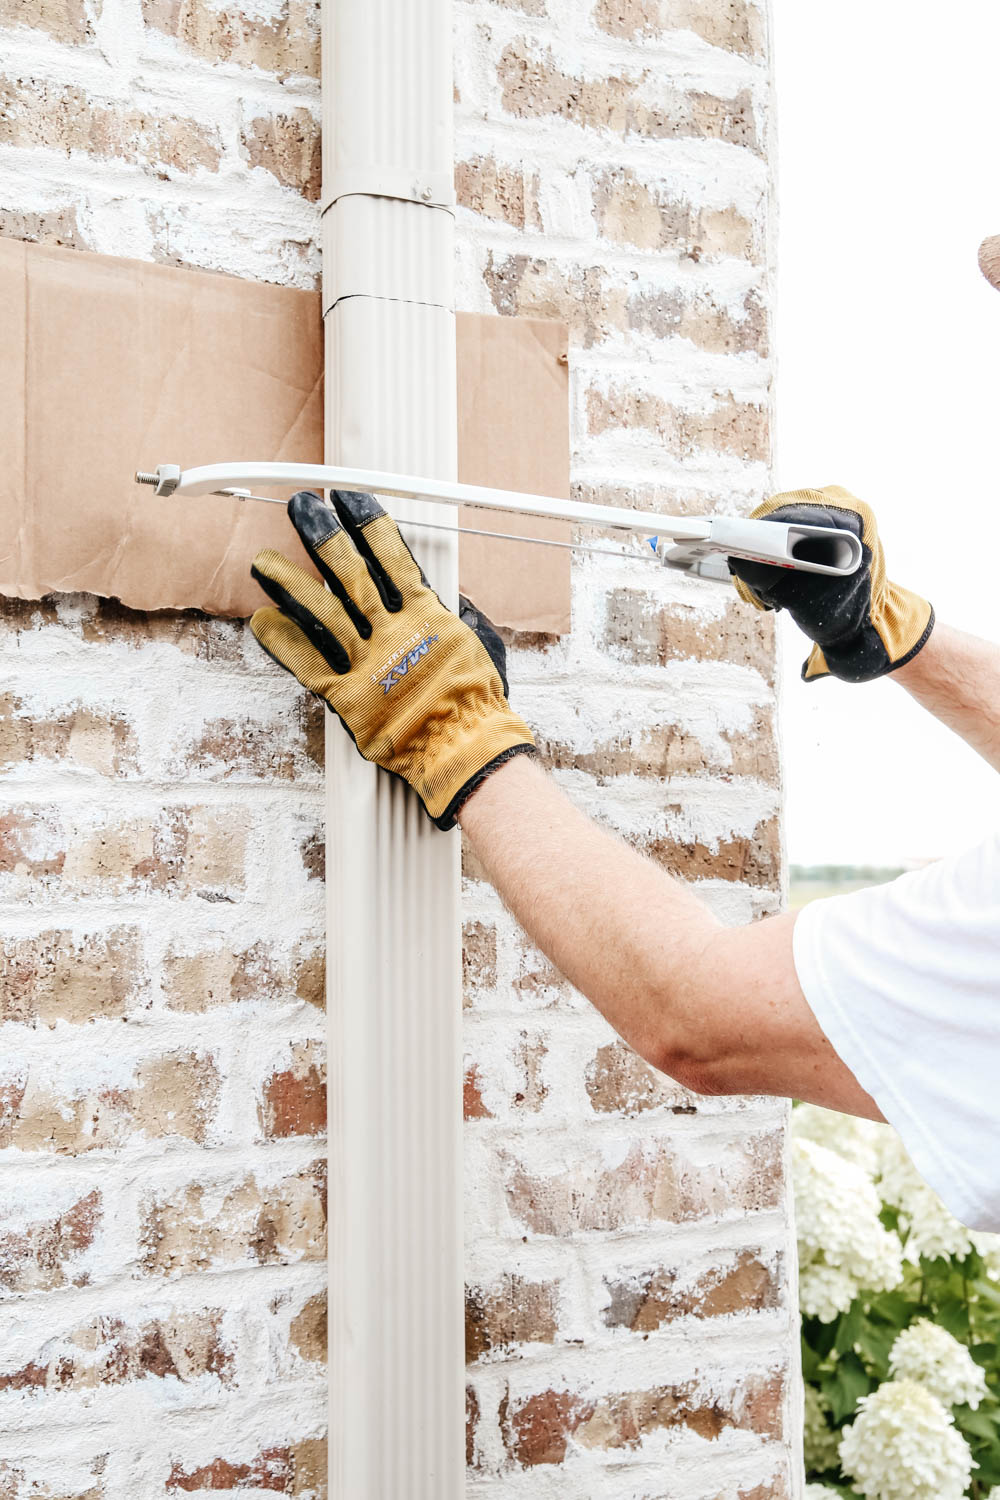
x=858 y=1140
x=825 y=1291
x=843 y=1246
x=820 y=1492
x=903 y=1445
x=933 y=1230
x=821 y=1441
x=929 y=1354
x=988 y=1246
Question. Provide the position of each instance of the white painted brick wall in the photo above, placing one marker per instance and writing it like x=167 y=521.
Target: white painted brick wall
x=563 y=1194
x=159 y=1237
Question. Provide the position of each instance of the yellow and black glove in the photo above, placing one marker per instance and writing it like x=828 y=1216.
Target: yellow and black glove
x=863 y=626
x=419 y=692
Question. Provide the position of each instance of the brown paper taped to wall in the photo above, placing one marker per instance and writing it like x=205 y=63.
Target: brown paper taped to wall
x=112 y=365
x=115 y=365
x=513 y=434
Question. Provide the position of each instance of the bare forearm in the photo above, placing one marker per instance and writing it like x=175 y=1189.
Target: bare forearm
x=625 y=934
x=956 y=677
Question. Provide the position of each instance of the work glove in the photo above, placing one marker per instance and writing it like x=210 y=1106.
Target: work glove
x=863 y=626
x=420 y=692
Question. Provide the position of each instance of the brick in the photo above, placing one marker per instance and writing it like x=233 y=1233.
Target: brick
x=473 y=1106
x=200 y=636
x=660 y=751
x=81 y=737
x=735 y=25
x=583 y=297
x=618 y=1082
x=286 y=42
x=63 y=117
x=471 y=1423
x=479 y=956
x=308 y=1330
x=217 y=1225
x=17 y=1484
x=630 y=212
x=289 y=1469
x=181 y=851
x=32 y=844
x=522 y=1088
x=109 y=1352
x=60 y=976
x=535 y=978
x=658 y=497
x=700 y=320
x=496 y=190
x=41 y=1257
x=312 y=848
x=244 y=748
x=541 y=1428
x=740 y=429
x=512 y=1311
x=643 y=1303
x=528 y=1056
x=526 y=7
x=643 y=631
x=534 y=87
x=652 y=1184
x=287 y=146
x=172 y=1096
x=753 y=859
x=198 y=982
x=776 y=1488
x=53 y=227
x=68 y=21
x=294 y=1099
x=598 y=308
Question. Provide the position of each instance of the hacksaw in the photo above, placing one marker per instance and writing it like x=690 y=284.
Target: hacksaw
x=698 y=545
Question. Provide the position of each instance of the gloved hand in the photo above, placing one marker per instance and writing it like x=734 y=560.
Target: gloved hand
x=863 y=626
x=418 y=691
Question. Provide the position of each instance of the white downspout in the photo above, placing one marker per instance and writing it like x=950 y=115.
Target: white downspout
x=394 y=985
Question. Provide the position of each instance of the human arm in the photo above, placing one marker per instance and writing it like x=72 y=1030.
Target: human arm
x=719 y=1009
x=956 y=677
x=423 y=695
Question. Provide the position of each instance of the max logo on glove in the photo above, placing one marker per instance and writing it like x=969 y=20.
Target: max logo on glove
x=409 y=660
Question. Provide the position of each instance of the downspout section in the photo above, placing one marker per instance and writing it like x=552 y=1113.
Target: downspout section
x=394 y=980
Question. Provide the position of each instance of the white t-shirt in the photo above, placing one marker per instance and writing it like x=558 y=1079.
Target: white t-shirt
x=904 y=979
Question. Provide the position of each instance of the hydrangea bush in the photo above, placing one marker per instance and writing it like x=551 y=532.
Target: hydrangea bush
x=900 y=1323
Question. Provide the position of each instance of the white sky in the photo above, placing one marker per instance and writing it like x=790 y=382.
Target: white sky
x=888 y=343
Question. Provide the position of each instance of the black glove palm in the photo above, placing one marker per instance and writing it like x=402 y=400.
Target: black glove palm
x=863 y=626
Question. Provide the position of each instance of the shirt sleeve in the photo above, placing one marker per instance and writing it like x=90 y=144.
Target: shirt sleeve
x=904 y=980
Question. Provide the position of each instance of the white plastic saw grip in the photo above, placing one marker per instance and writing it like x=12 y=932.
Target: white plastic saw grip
x=703 y=541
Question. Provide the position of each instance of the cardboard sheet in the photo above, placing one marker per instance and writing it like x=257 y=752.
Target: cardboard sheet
x=513 y=434
x=112 y=365
x=116 y=365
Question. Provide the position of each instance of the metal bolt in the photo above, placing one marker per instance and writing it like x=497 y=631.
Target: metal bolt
x=141 y=478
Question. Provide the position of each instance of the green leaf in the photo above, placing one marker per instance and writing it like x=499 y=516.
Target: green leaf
x=981 y=1424
x=873 y=1344
x=894 y=1308
x=847 y=1385
x=811 y=1364
x=849 y=1327
x=985 y=1355
x=820 y=1336
x=953 y=1314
